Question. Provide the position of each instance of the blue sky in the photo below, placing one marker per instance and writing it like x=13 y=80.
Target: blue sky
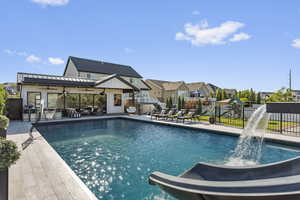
x=233 y=44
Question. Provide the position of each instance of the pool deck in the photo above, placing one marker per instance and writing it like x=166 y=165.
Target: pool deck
x=42 y=174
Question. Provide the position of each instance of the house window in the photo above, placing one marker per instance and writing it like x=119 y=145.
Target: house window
x=34 y=99
x=117 y=99
x=72 y=101
x=55 y=100
x=88 y=76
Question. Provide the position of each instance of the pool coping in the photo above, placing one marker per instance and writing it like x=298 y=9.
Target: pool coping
x=82 y=185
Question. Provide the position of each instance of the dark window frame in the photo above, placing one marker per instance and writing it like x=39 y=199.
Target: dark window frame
x=30 y=92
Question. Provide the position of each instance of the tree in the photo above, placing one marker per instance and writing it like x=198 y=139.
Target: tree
x=199 y=107
x=3 y=96
x=179 y=103
x=258 y=98
x=171 y=103
x=218 y=95
x=182 y=103
x=224 y=95
x=167 y=103
x=252 y=96
x=282 y=95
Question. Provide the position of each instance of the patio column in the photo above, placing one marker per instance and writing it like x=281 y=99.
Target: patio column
x=133 y=98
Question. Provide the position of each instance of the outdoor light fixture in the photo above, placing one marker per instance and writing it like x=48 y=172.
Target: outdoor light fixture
x=103 y=92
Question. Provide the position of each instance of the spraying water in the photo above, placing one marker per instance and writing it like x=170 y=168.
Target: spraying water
x=249 y=147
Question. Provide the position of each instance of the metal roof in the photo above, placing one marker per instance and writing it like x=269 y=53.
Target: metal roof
x=43 y=79
x=94 y=66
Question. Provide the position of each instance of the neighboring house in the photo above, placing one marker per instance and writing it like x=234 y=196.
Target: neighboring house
x=230 y=92
x=296 y=95
x=199 y=90
x=212 y=88
x=85 y=83
x=265 y=95
x=162 y=90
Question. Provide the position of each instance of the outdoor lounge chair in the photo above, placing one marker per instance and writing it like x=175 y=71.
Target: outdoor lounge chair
x=163 y=111
x=165 y=116
x=174 y=116
x=277 y=181
x=190 y=115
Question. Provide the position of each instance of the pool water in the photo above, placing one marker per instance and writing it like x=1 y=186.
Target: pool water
x=114 y=157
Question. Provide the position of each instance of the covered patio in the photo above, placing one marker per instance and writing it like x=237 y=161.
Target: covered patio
x=72 y=97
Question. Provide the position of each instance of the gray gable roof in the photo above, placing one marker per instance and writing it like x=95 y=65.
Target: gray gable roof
x=93 y=66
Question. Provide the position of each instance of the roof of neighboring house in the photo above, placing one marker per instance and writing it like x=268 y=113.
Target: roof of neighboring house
x=94 y=66
x=230 y=91
x=195 y=86
x=212 y=87
x=158 y=83
x=172 y=85
x=266 y=92
x=43 y=79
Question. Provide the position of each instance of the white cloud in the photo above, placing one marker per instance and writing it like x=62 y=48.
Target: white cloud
x=8 y=51
x=56 y=61
x=196 y=12
x=240 y=36
x=128 y=50
x=33 y=59
x=296 y=43
x=12 y=52
x=51 y=2
x=200 y=34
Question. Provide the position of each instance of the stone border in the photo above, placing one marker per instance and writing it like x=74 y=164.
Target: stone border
x=90 y=194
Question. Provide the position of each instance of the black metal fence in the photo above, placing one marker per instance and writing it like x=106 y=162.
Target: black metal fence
x=281 y=121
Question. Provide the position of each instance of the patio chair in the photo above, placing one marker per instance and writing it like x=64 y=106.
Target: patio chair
x=163 y=111
x=190 y=115
x=72 y=113
x=165 y=116
x=175 y=115
x=49 y=113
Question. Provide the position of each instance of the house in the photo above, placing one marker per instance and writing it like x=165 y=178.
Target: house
x=265 y=95
x=198 y=89
x=230 y=92
x=162 y=90
x=85 y=84
x=296 y=95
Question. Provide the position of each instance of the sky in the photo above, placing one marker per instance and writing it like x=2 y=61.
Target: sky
x=232 y=44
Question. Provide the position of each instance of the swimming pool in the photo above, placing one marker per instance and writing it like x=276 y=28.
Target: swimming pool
x=114 y=157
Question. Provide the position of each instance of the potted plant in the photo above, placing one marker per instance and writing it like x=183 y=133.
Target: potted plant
x=8 y=155
x=4 y=121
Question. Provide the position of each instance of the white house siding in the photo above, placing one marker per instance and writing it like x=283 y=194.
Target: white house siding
x=114 y=83
x=71 y=70
x=111 y=108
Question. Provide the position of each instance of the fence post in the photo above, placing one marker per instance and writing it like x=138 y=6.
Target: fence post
x=280 y=122
x=243 y=117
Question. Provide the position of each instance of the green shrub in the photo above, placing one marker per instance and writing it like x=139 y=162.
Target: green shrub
x=3 y=96
x=4 y=122
x=9 y=153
